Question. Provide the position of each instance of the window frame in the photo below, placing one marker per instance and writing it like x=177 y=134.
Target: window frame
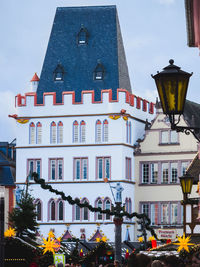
x=98 y=131
x=104 y=169
x=34 y=161
x=75 y=132
x=53 y=133
x=148 y=205
x=169 y=137
x=38 y=133
x=160 y=164
x=81 y=168
x=36 y=202
x=59 y=70
x=32 y=133
x=128 y=168
x=57 y=176
x=82 y=131
x=60 y=132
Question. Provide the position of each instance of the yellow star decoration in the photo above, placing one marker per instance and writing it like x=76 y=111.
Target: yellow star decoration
x=141 y=239
x=59 y=239
x=183 y=243
x=104 y=238
x=151 y=238
x=49 y=245
x=51 y=234
x=10 y=232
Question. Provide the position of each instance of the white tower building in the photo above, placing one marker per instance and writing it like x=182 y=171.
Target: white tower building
x=78 y=131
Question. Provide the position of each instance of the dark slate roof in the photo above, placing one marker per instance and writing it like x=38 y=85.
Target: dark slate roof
x=7 y=165
x=79 y=61
x=6 y=176
x=192 y=113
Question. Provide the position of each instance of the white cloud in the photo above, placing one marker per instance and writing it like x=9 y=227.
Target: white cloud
x=8 y=125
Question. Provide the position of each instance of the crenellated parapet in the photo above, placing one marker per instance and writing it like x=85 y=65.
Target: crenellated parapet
x=133 y=104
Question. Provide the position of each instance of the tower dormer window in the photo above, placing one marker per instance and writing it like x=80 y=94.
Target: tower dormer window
x=59 y=73
x=82 y=36
x=99 y=72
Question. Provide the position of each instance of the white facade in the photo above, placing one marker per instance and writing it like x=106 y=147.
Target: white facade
x=75 y=160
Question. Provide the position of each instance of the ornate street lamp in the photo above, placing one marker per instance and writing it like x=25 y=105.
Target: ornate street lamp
x=186 y=182
x=172 y=84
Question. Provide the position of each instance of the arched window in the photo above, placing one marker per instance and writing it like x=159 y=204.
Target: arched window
x=128 y=132
x=128 y=206
x=38 y=133
x=129 y=129
x=60 y=210
x=98 y=131
x=38 y=209
x=53 y=133
x=52 y=210
x=60 y=132
x=82 y=36
x=31 y=133
x=99 y=72
x=85 y=211
x=99 y=205
x=59 y=73
x=107 y=207
x=75 y=132
x=82 y=132
x=77 y=213
x=105 y=131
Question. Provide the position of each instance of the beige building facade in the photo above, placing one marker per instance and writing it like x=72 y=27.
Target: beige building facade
x=160 y=159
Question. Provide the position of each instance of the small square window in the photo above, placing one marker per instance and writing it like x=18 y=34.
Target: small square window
x=99 y=75
x=81 y=41
x=58 y=76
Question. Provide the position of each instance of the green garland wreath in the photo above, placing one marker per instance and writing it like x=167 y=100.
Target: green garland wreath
x=112 y=212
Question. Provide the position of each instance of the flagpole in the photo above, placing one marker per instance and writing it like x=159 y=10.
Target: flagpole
x=111 y=190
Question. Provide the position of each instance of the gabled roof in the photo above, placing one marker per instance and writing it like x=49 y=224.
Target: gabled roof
x=6 y=176
x=96 y=235
x=104 y=46
x=67 y=235
x=192 y=113
x=35 y=78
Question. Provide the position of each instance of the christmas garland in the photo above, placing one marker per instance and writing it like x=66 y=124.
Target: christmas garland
x=113 y=212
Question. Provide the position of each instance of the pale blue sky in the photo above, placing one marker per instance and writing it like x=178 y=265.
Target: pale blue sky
x=153 y=32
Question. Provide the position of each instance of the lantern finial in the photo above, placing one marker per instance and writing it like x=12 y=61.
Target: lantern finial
x=171 y=61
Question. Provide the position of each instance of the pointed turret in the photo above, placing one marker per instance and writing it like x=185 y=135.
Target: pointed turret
x=34 y=82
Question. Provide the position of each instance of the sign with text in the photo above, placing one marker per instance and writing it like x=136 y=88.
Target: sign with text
x=166 y=233
x=59 y=258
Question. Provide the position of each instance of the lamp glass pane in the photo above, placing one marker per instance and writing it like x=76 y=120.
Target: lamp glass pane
x=182 y=90
x=172 y=92
x=160 y=92
x=186 y=184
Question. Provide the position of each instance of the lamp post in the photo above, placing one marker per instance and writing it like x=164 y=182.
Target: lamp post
x=186 y=182
x=172 y=85
x=118 y=232
x=1 y=228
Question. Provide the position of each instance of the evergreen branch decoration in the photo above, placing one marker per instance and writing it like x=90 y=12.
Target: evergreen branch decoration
x=114 y=212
